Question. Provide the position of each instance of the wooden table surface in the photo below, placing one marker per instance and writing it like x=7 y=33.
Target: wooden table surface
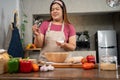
x=65 y=73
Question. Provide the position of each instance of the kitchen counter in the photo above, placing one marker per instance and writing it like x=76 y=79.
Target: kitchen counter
x=65 y=73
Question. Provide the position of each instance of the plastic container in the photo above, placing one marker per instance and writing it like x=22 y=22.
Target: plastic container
x=108 y=63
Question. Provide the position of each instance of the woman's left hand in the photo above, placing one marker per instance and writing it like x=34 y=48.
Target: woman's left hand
x=61 y=44
x=70 y=46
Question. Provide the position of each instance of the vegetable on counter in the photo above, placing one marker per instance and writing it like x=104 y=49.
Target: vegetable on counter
x=91 y=59
x=47 y=68
x=35 y=67
x=88 y=62
x=13 y=65
x=84 y=60
x=25 y=65
x=87 y=66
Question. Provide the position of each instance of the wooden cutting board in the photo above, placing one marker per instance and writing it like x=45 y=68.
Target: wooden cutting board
x=66 y=65
x=69 y=65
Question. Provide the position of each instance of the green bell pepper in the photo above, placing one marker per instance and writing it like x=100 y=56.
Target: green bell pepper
x=13 y=65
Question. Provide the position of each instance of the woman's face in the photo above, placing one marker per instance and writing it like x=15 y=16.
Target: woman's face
x=56 y=12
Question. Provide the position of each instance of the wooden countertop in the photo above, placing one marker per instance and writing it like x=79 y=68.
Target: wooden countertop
x=65 y=73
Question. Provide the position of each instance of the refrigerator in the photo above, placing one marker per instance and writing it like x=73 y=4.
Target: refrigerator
x=105 y=43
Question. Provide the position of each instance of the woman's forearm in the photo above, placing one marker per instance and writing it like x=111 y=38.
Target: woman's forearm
x=71 y=45
x=68 y=46
x=38 y=41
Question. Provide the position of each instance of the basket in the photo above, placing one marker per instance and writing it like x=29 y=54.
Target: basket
x=4 y=58
x=1 y=65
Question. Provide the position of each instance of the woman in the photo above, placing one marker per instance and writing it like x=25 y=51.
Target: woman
x=56 y=34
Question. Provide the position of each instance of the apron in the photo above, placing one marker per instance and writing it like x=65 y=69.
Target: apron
x=50 y=42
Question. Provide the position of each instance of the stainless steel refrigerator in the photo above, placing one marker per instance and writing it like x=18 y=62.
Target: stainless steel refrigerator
x=106 y=43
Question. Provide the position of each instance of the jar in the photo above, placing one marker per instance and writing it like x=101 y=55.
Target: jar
x=108 y=63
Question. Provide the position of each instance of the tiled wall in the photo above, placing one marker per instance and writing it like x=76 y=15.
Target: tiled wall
x=92 y=23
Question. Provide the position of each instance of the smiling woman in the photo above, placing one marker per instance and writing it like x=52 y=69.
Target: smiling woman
x=51 y=32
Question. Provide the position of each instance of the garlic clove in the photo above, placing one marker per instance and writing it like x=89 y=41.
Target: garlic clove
x=50 y=67
x=44 y=68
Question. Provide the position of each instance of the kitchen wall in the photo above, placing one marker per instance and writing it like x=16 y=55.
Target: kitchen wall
x=84 y=14
x=73 y=6
x=93 y=16
x=92 y=23
x=90 y=17
x=7 y=8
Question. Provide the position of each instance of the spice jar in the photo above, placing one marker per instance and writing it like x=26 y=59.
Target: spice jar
x=108 y=63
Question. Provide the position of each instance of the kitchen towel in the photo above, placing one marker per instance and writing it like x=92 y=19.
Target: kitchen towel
x=15 y=47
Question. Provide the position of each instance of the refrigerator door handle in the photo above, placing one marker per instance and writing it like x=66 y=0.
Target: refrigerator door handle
x=108 y=47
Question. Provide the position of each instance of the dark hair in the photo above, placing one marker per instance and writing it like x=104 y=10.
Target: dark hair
x=64 y=11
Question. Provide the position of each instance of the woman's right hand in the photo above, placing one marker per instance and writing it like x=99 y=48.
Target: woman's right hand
x=35 y=30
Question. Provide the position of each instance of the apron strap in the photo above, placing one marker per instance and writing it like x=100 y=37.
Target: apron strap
x=62 y=27
x=50 y=26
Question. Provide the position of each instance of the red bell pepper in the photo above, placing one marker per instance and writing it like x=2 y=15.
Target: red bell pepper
x=25 y=66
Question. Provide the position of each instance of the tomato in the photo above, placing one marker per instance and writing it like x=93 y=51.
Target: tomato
x=88 y=66
x=84 y=60
x=91 y=58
